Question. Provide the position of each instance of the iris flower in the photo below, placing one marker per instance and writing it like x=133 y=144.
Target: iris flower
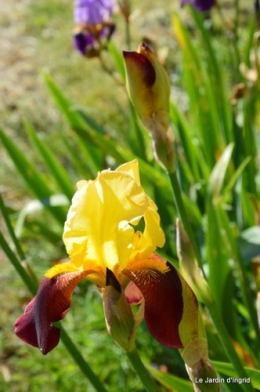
x=200 y=5
x=105 y=246
x=93 y=22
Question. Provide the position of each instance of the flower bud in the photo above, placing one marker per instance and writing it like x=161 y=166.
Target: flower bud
x=149 y=90
x=118 y=314
x=200 y=375
x=197 y=362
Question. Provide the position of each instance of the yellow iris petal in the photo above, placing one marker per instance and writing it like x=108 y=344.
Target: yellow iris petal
x=60 y=269
x=99 y=228
x=130 y=168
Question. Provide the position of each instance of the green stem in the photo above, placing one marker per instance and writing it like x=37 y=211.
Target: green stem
x=242 y=276
x=128 y=34
x=10 y=229
x=137 y=138
x=32 y=285
x=80 y=361
x=141 y=371
x=236 y=37
x=228 y=346
x=104 y=66
x=183 y=213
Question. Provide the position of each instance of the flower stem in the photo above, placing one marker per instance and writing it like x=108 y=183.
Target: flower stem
x=142 y=372
x=80 y=361
x=183 y=213
x=10 y=229
x=31 y=285
x=128 y=34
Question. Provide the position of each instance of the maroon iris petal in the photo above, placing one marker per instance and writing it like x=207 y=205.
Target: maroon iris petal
x=163 y=302
x=49 y=305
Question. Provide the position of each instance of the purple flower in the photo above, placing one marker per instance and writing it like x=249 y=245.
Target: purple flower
x=93 y=12
x=199 y=5
x=93 y=20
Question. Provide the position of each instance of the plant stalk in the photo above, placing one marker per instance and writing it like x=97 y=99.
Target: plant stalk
x=228 y=346
x=147 y=381
x=183 y=213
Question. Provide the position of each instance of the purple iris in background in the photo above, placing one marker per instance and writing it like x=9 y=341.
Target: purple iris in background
x=93 y=20
x=199 y=5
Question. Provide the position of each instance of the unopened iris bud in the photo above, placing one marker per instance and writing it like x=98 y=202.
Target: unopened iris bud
x=204 y=371
x=118 y=314
x=148 y=85
x=125 y=7
x=197 y=362
x=149 y=90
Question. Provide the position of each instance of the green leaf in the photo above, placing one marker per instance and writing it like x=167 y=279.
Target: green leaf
x=174 y=383
x=229 y=232
x=249 y=243
x=32 y=285
x=34 y=180
x=218 y=173
x=214 y=71
x=10 y=229
x=232 y=181
x=228 y=370
x=56 y=169
x=118 y=59
x=187 y=137
x=217 y=256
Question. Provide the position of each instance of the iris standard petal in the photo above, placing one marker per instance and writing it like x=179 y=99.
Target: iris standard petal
x=99 y=226
x=92 y=12
x=50 y=304
x=130 y=168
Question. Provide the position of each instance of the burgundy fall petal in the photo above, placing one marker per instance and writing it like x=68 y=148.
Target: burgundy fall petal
x=163 y=302
x=50 y=304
